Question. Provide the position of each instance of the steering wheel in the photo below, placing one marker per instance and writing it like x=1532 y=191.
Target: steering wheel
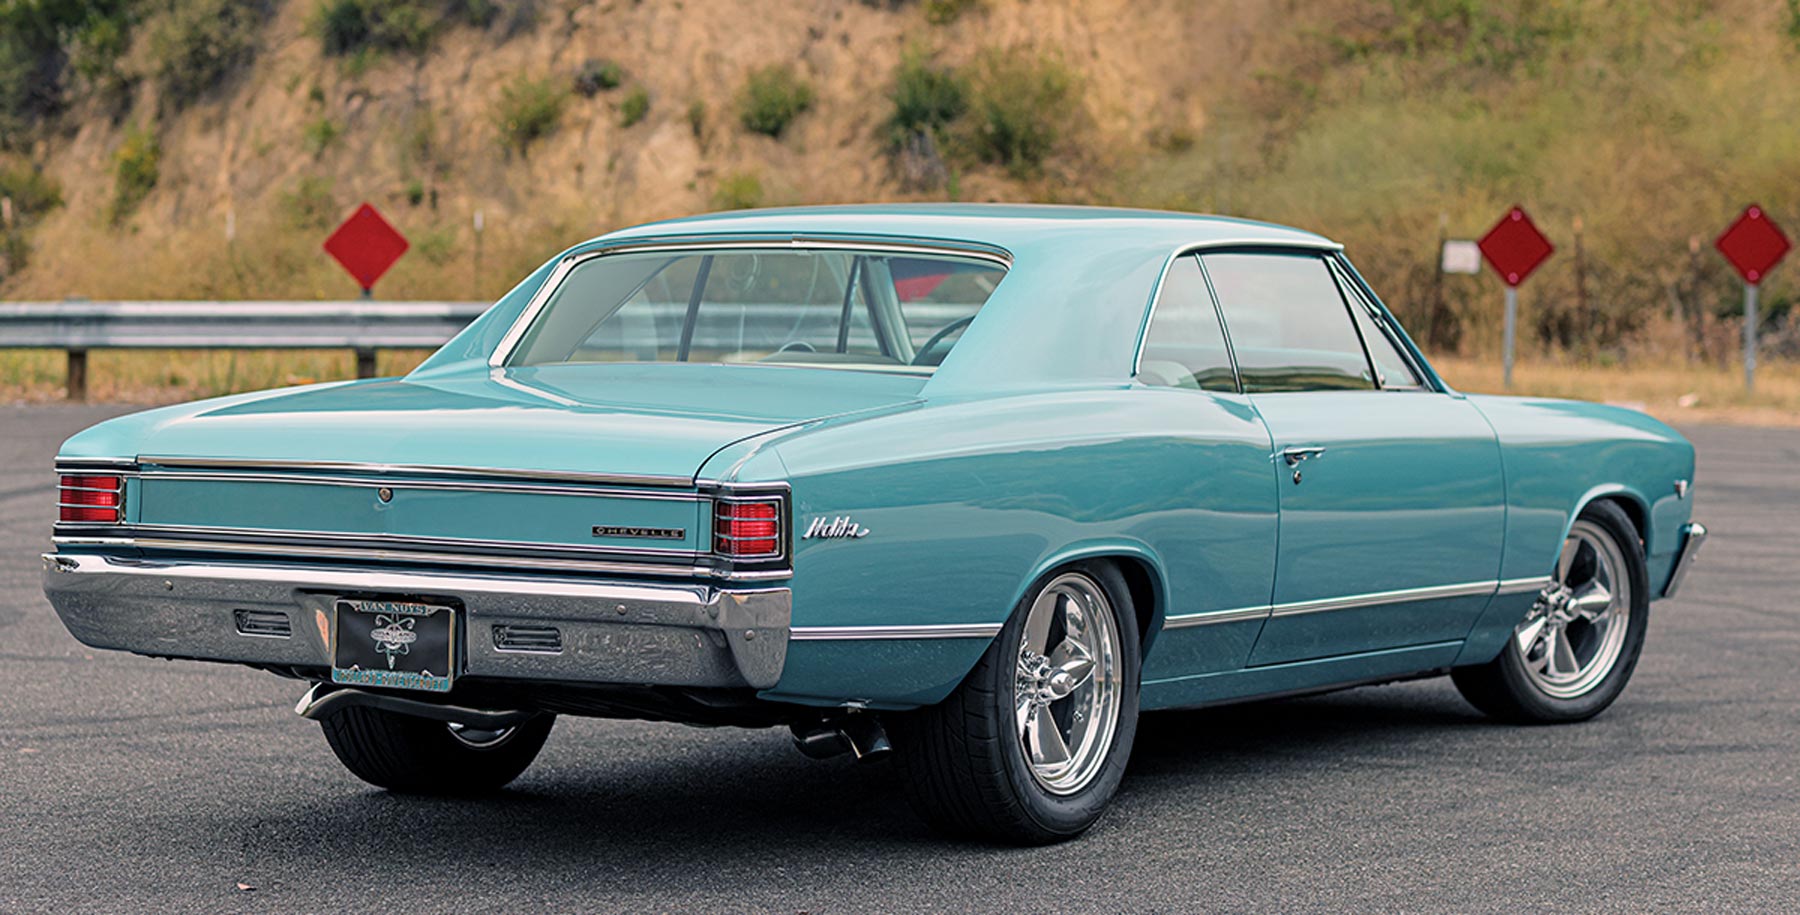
x=797 y=346
x=945 y=331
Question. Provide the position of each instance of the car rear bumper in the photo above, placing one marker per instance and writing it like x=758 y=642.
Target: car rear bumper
x=515 y=627
x=1693 y=534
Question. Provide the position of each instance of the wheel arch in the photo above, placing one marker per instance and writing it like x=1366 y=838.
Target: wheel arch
x=1137 y=563
x=1629 y=500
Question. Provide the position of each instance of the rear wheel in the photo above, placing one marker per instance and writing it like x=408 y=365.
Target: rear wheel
x=1574 y=652
x=1031 y=747
x=422 y=756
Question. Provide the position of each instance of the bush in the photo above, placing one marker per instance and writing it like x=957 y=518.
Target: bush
x=740 y=191
x=198 y=42
x=528 y=111
x=320 y=135
x=635 y=106
x=310 y=205
x=927 y=99
x=944 y=12
x=772 y=97
x=31 y=191
x=348 y=26
x=696 y=118
x=136 y=168
x=1020 y=104
x=596 y=76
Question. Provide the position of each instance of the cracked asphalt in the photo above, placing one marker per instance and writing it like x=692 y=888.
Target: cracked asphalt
x=130 y=784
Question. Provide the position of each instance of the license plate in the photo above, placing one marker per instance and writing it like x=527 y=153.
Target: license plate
x=393 y=644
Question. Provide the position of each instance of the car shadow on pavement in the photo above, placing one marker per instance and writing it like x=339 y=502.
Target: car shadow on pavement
x=723 y=805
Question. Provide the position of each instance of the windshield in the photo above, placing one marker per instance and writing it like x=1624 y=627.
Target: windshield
x=791 y=306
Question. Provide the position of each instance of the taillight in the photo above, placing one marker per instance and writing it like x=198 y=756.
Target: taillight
x=747 y=528
x=90 y=498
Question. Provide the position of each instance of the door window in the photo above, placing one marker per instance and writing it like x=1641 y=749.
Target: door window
x=1184 y=346
x=1392 y=369
x=1289 y=327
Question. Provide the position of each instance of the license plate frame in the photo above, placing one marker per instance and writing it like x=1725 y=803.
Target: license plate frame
x=393 y=644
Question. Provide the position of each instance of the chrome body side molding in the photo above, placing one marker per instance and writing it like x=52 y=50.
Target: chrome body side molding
x=1693 y=535
x=869 y=633
x=1355 y=601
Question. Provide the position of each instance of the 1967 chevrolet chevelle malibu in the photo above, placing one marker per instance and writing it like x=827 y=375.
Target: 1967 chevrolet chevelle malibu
x=972 y=485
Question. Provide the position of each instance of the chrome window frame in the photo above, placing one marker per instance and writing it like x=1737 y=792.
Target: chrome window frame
x=1321 y=248
x=515 y=334
x=1354 y=297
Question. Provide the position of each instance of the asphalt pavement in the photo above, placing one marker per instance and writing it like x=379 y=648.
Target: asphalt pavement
x=136 y=785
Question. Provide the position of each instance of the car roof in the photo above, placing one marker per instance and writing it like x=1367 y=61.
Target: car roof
x=1013 y=227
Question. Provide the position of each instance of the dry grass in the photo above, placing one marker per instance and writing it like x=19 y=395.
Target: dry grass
x=170 y=376
x=1672 y=392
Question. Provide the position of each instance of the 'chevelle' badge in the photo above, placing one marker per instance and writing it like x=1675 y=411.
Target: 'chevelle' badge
x=645 y=533
x=839 y=528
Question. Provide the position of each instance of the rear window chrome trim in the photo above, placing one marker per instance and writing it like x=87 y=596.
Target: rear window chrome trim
x=515 y=334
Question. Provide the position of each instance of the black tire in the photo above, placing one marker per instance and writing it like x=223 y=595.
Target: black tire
x=1503 y=689
x=962 y=765
x=413 y=755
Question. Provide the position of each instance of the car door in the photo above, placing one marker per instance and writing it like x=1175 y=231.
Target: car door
x=1215 y=522
x=1390 y=491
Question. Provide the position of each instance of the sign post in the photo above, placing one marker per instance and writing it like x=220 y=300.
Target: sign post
x=1514 y=248
x=1753 y=244
x=366 y=245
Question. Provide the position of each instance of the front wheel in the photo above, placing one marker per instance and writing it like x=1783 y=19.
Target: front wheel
x=1032 y=745
x=415 y=755
x=1574 y=652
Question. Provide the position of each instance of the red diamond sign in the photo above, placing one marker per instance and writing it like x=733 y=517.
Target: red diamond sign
x=1515 y=247
x=1753 y=244
x=366 y=245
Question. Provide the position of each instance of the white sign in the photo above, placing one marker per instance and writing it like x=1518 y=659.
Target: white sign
x=1461 y=257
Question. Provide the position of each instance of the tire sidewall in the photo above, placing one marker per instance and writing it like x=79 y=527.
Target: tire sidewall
x=1544 y=707
x=1069 y=814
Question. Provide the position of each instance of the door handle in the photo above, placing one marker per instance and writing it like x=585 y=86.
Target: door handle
x=1295 y=455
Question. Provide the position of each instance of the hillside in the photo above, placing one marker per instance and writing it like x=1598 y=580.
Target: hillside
x=203 y=148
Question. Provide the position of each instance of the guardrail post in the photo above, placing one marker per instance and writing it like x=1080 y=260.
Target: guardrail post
x=76 y=383
x=365 y=363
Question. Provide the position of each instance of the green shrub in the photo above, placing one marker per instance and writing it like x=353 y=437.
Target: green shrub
x=528 y=111
x=772 y=97
x=311 y=204
x=596 y=76
x=1020 y=105
x=415 y=192
x=635 y=106
x=198 y=42
x=320 y=135
x=136 y=167
x=31 y=191
x=927 y=99
x=739 y=191
x=944 y=12
x=696 y=118
x=346 y=27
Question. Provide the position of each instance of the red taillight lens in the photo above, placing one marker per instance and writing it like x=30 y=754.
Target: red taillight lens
x=747 y=529
x=83 y=497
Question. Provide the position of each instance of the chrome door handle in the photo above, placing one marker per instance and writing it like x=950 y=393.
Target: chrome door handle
x=1294 y=456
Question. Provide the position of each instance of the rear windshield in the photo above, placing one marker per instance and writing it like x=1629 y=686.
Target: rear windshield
x=869 y=310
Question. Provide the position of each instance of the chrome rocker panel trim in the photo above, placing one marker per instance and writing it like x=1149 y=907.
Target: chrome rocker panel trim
x=610 y=632
x=1356 y=601
x=1693 y=536
x=883 y=633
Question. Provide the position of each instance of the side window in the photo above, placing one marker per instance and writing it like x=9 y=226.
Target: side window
x=1289 y=327
x=1392 y=369
x=1184 y=346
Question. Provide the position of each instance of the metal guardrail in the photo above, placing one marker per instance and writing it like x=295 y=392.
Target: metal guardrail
x=363 y=326
x=368 y=326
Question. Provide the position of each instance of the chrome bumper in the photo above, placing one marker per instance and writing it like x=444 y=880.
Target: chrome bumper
x=576 y=630
x=1693 y=535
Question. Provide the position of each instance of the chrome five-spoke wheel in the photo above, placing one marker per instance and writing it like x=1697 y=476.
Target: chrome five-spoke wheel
x=1576 y=630
x=1574 y=649
x=1066 y=693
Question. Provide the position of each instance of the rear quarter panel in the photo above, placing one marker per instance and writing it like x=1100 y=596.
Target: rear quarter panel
x=1559 y=456
x=967 y=503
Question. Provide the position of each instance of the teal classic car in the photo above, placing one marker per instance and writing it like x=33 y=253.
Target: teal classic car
x=967 y=486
